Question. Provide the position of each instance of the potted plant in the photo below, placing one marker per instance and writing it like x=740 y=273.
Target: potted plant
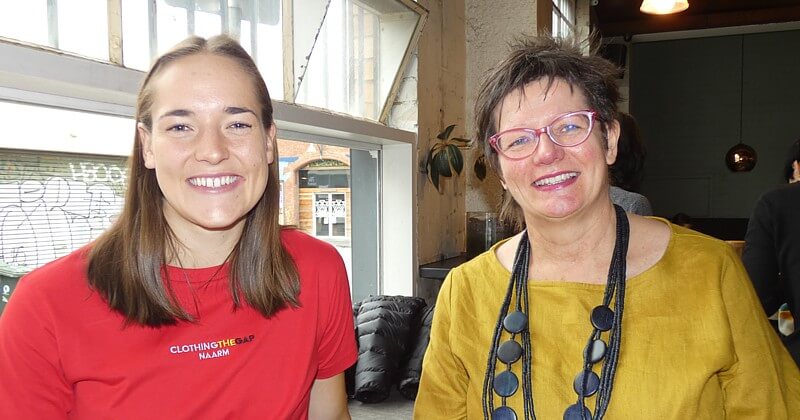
x=444 y=158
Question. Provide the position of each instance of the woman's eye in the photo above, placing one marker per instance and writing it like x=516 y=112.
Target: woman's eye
x=519 y=141
x=568 y=128
x=178 y=128
x=240 y=126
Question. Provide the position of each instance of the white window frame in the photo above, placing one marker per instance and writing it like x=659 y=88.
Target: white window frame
x=34 y=75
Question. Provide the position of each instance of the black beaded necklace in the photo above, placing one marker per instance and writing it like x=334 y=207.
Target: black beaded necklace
x=586 y=383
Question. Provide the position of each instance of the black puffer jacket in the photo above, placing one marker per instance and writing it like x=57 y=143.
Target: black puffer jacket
x=386 y=329
x=409 y=381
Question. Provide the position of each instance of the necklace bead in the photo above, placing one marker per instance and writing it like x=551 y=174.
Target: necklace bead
x=504 y=413
x=602 y=317
x=509 y=352
x=506 y=384
x=586 y=384
x=515 y=322
x=596 y=350
x=574 y=413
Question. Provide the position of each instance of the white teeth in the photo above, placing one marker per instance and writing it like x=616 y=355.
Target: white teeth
x=556 y=179
x=215 y=182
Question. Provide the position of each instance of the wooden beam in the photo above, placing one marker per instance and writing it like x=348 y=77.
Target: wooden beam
x=115 y=32
x=678 y=22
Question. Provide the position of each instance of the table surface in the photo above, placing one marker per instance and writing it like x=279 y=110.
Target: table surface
x=439 y=269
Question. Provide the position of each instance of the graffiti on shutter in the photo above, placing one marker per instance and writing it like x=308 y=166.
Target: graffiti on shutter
x=54 y=203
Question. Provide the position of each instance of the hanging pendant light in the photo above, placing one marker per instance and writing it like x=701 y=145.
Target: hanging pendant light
x=663 y=7
x=741 y=157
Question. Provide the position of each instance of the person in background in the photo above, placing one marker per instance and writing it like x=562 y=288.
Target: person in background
x=196 y=303
x=625 y=173
x=772 y=251
x=590 y=311
x=791 y=171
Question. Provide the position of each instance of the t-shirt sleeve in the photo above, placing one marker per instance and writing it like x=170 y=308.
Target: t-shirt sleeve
x=642 y=206
x=337 y=345
x=764 y=381
x=443 y=386
x=32 y=383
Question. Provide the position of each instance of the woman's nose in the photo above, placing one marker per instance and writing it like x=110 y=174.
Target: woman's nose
x=547 y=151
x=212 y=147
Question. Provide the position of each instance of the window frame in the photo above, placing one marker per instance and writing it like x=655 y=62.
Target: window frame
x=39 y=75
x=562 y=18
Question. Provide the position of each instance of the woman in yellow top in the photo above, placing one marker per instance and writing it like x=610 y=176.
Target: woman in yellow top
x=589 y=312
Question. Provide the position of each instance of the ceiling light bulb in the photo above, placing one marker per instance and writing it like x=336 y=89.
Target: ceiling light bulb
x=663 y=7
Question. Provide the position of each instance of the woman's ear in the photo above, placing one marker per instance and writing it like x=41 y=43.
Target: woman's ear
x=147 y=146
x=271 y=133
x=795 y=172
x=612 y=136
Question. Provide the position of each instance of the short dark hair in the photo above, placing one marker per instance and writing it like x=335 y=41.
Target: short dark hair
x=626 y=171
x=543 y=57
x=791 y=157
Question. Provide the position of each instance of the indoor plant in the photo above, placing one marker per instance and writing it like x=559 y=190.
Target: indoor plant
x=444 y=157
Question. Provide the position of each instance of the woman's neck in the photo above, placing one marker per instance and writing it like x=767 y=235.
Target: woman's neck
x=196 y=247
x=581 y=241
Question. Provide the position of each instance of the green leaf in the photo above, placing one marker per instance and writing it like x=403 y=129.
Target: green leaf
x=456 y=159
x=445 y=134
x=443 y=164
x=437 y=147
x=434 y=174
x=480 y=167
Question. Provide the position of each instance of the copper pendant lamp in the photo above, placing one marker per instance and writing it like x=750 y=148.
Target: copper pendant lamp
x=663 y=7
x=741 y=157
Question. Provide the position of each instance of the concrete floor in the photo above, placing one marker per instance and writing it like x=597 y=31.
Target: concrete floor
x=394 y=408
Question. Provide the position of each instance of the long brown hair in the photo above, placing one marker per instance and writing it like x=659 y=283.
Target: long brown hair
x=125 y=263
x=548 y=58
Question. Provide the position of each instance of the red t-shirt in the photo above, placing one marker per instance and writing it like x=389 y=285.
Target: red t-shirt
x=65 y=354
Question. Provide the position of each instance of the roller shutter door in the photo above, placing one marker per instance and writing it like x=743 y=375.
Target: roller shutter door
x=54 y=203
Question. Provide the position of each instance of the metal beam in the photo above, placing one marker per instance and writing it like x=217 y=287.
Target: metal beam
x=679 y=22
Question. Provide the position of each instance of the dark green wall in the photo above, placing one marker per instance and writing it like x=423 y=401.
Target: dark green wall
x=685 y=94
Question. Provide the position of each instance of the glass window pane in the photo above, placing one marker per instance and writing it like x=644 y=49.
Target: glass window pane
x=207 y=24
x=83 y=27
x=177 y=19
x=51 y=201
x=269 y=55
x=172 y=24
x=64 y=130
x=25 y=21
x=135 y=35
x=563 y=17
x=319 y=199
x=351 y=66
x=77 y=26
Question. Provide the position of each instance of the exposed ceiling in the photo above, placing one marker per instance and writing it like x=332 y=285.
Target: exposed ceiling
x=623 y=18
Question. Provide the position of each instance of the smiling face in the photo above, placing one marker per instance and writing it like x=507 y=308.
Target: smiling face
x=208 y=146
x=555 y=182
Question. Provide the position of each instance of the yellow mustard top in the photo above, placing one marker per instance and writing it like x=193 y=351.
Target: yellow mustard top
x=696 y=343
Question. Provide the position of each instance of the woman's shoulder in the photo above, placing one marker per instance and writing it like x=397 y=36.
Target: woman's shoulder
x=481 y=271
x=301 y=245
x=55 y=281
x=317 y=261
x=61 y=271
x=686 y=244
